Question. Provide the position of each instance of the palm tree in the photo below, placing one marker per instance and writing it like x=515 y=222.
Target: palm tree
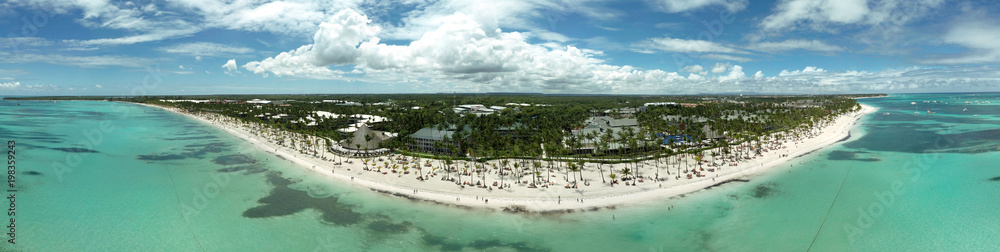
x=503 y=166
x=612 y=179
x=626 y=172
x=572 y=167
x=537 y=165
x=568 y=164
x=368 y=138
x=447 y=162
x=463 y=172
x=420 y=170
x=656 y=157
x=517 y=169
x=601 y=171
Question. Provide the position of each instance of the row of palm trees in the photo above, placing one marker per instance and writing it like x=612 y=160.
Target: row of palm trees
x=544 y=134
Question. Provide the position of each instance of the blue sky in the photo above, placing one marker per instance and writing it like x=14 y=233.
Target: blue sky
x=99 y=47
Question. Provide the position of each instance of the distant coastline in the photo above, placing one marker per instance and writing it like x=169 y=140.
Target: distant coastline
x=556 y=198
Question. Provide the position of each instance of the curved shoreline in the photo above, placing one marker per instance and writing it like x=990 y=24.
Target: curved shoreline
x=520 y=198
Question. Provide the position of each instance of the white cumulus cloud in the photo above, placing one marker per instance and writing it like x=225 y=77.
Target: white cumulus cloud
x=693 y=69
x=806 y=70
x=459 y=51
x=463 y=54
x=720 y=67
x=14 y=87
x=230 y=67
x=10 y=84
x=736 y=74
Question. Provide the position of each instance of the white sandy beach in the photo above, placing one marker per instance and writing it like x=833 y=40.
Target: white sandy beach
x=556 y=196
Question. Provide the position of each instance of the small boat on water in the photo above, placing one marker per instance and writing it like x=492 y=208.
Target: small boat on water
x=886 y=113
x=976 y=115
x=965 y=109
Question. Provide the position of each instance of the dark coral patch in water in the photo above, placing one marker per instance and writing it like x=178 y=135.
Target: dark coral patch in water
x=234 y=169
x=161 y=157
x=764 y=190
x=997 y=178
x=247 y=169
x=255 y=170
x=234 y=159
x=75 y=150
x=33 y=136
x=916 y=138
x=284 y=201
x=206 y=145
x=200 y=150
x=726 y=182
x=191 y=151
x=387 y=227
x=851 y=155
x=494 y=243
x=191 y=138
x=440 y=243
x=192 y=132
x=34 y=173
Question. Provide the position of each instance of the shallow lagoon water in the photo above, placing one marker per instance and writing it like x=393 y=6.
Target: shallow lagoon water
x=159 y=181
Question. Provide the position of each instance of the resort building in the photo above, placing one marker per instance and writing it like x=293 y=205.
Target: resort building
x=649 y=104
x=477 y=109
x=599 y=126
x=424 y=140
x=363 y=142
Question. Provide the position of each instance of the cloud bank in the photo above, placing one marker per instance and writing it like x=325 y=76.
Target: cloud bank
x=465 y=55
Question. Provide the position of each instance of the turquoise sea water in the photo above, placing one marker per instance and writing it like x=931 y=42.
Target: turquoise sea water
x=149 y=180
